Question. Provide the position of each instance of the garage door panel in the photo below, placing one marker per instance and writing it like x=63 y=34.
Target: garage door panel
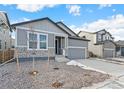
x=108 y=53
x=76 y=53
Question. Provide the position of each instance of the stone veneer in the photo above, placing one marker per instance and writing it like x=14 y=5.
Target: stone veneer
x=23 y=52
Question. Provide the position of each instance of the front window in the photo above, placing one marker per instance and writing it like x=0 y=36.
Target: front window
x=37 y=41
x=33 y=41
x=43 y=44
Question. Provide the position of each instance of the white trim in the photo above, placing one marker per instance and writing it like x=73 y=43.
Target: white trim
x=76 y=47
x=21 y=46
x=51 y=47
x=40 y=31
x=108 y=49
x=38 y=34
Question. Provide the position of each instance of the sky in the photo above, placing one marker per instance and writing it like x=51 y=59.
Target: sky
x=79 y=17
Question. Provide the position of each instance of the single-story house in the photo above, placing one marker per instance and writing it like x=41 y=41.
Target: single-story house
x=101 y=43
x=48 y=38
x=119 y=48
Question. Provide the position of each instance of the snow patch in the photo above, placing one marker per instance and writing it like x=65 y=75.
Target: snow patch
x=75 y=63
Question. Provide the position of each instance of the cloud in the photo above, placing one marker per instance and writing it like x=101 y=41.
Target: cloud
x=33 y=7
x=19 y=20
x=113 y=10
x=113 y=24
x=104 y=5
x=74 y=9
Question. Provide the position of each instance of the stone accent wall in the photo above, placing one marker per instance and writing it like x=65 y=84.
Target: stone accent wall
x=23 y=52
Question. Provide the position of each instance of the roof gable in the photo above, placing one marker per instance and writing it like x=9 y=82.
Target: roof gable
x=41 y=19
x=120 y=43
x=62 y=25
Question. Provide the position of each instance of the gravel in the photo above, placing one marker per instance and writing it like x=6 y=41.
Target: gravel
x=71 y=77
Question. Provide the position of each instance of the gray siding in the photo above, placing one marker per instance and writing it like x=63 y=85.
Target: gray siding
x=44 y=25
x=51 y=40
x=77 y=43
x=65 y=28
x=109 y=45
x=76 y=53
x=21 y=37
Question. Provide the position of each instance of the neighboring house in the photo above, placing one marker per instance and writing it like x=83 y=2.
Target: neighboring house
x=48 y=38
x=101 y=43
x=119 y=48
x=5 y=30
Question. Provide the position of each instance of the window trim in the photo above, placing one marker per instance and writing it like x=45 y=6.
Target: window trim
x=38 y=39
x=43 y=41
x=32 y=40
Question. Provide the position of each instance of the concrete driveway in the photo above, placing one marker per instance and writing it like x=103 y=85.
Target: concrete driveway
x=111 y=68
x=115 y=70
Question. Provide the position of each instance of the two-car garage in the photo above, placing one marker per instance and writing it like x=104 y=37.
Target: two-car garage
x=77 y=53
x=77 y=48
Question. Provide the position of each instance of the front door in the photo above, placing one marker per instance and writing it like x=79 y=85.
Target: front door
x=58 y=45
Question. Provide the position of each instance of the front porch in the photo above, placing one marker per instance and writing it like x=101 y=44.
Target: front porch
x=60 y=45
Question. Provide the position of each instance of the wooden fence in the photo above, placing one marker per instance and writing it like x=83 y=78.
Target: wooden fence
x=6 y=55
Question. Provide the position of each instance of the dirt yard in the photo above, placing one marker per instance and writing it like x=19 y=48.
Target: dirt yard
x=50 y=75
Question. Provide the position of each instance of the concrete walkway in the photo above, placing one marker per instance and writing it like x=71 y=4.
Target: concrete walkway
x=115 y=70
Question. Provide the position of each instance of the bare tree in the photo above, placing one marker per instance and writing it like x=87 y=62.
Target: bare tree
x=34 y=71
